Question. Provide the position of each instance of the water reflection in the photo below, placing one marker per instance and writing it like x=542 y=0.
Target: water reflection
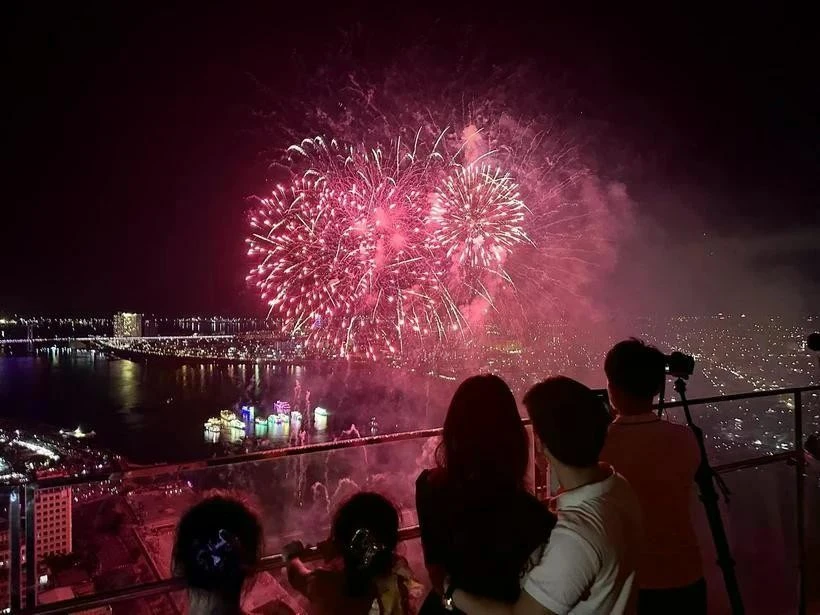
x=129 y=392
x=153 y=412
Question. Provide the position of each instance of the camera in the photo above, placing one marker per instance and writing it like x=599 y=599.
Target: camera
x=679 y=365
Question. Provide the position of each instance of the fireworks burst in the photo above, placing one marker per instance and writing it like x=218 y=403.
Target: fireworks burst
x=500 y=219
x=342 y=252
x=477 y=218
x=369 y=254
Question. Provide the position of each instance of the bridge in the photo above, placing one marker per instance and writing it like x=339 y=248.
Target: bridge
x=105 y=339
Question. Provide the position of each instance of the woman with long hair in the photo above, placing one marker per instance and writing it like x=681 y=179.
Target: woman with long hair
x=479 y=523
x=365 y=575
x=216 y=549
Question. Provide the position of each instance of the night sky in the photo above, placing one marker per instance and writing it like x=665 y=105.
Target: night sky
x=132 y=143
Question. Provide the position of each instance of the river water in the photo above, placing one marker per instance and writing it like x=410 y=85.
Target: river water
x=154 y=412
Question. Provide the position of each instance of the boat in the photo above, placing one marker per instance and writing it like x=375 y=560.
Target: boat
x=213 y=425
x=261 y=427
x=77 y=433
x=320 y=418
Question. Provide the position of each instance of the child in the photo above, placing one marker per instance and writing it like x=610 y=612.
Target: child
x=365 y=577
x=216 y=549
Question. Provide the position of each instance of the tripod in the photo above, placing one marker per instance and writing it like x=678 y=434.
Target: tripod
x=705 y=477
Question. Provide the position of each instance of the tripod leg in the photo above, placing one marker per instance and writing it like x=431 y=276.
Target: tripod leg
x=705 y=478
x=709 y=497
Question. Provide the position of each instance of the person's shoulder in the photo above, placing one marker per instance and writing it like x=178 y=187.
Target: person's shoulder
x=670 y=427
x=430 y=489
x=576 y=520
x=591 y=512
x=433 y=479
x=575 y=533
x=428 y=479
x=681 y=435
x=430 y=476
x=623 y=499
x=621 y=489
x=589 y=522
x=664 y=430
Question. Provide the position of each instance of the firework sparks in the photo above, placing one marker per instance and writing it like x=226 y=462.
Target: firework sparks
x=367 y=253
x=342 y=255
x=478 y=215
x=499 y=220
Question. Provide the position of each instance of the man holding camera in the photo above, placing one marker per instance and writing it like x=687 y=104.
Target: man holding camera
x=659 y=459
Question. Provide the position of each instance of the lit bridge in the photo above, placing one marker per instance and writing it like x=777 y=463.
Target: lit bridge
x=104 y=339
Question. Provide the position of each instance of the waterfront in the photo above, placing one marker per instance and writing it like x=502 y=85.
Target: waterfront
x=152 y=413
x=154 y=409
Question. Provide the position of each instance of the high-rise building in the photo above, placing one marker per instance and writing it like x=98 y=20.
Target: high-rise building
x=52 y=515
x=52 y=535
x=127 y=324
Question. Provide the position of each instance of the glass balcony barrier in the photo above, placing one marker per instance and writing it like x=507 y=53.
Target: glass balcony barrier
x=119 y=530
x=106 y=543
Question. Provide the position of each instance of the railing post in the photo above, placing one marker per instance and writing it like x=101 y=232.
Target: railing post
x=14 y=549
x=799 y=469
x=31 y=551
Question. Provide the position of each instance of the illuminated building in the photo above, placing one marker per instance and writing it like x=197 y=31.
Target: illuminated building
x=127 y=324
x=53 y=535
x=52 y=510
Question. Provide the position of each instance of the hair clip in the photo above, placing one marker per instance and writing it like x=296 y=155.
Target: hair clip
x=364 y=547
x=211 y=556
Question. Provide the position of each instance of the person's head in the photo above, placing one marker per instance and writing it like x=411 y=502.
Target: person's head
x=634 y=374
x=365 y=533
x=217 y=546
x=484 y=440
x=570 y=420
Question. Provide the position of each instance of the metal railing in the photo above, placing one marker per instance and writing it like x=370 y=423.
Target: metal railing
x=277 y=561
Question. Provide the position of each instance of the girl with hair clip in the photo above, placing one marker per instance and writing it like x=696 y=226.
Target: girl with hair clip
x=216 y=550
x=365 y=575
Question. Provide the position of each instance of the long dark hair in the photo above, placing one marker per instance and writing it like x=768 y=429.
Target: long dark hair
x=365 y=532
x=217 y=546
x=484 y=443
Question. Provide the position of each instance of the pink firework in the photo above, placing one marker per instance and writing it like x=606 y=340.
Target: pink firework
x=342 y=256
x=373 y=254
x=511 y=117
x=477 y=219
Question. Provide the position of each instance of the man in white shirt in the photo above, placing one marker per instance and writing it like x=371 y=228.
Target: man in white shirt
x=659 y=459
x=589 y=563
